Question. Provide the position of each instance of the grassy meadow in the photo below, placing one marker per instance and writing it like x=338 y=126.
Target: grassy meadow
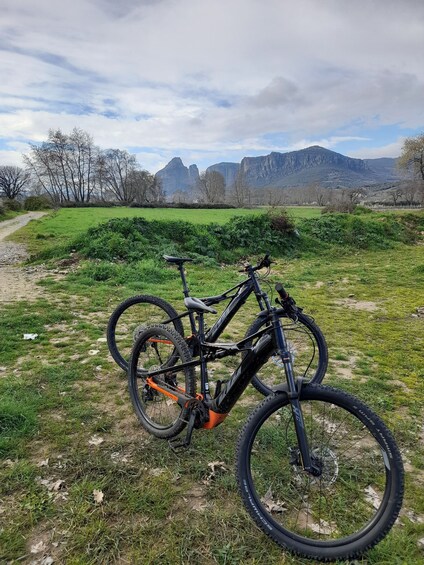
x=63 y=225
x=67 y=429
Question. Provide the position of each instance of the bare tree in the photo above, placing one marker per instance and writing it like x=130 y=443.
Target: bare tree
x=211 y=186
x=65 y=165
x=240 y=193
x=396 y=195
x=12 y=181
x=116 y=172
x=181 y=197
x=411 y=159
x=273 y=197
x=147 y=187
x=318 y=194
x=409 y=189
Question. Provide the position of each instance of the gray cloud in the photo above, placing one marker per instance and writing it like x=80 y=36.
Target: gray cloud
x=221 y=76
x=279 y=92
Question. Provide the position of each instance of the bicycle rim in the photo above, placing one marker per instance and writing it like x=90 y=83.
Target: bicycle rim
x=159 y=348
x=130 y=319
x=354 y=501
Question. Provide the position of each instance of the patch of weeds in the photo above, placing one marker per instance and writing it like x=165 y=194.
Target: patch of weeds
x=103 y=424
x=15 y=424
x=96 y=540
x=418 y=270
x=402 y=541
x=340 y=357
x=21 y=318
x=18 y=477
x=18 y=418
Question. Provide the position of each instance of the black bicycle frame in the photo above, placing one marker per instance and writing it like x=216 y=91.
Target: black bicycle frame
x=271 y=341
x=244 y=290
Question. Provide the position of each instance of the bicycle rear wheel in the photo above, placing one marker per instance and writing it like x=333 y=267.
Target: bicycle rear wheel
x=131 y=317
x=307 y=346
x=354 y=502
x=160 y=347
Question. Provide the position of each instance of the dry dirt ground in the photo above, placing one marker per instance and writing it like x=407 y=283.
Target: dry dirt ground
x=16 y=282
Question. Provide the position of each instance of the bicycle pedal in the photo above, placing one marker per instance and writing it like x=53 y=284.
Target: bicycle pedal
x=178 y=445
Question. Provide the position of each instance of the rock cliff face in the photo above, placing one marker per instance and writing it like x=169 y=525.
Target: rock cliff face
x=296 y=168
x=299 y=168
x=176 y=176
x=228 y=170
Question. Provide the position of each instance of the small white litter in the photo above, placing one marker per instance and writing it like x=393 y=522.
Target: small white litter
x=30 y=336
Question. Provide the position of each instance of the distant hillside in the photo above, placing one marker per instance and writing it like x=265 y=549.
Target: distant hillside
x=294 y=169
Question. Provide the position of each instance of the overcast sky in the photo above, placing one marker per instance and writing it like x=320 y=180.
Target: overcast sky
x=212 y=80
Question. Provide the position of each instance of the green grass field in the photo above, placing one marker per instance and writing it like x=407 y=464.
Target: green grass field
x=67 y=427
x=65 y=224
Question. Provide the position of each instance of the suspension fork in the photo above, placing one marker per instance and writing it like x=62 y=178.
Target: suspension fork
x=293 y=395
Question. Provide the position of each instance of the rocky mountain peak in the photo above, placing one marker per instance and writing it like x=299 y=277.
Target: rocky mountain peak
x=313 y=164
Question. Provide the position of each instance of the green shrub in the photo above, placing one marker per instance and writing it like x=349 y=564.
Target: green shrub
x=133 y=239
x=34 y=203
x=343 y=207
x=12 y=205
x=351 y=230
x=282 y=222
x=362 y=210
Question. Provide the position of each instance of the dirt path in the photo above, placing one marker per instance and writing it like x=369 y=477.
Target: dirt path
x=17 y=283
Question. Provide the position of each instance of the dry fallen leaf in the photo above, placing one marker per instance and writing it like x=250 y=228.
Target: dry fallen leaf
x=95 y=440
x=324 y=528
x=156 y=472
x=98 y=496
x=372 y=497
x=59 y=484
x=38 y=547
x=269 y=503
x=43 y=463
x=51 y=484
x=215 y=467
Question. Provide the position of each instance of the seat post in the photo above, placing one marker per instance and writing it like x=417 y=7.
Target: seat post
x=186 y=290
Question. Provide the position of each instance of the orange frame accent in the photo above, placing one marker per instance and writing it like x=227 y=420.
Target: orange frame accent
x=152 y=384
x=214 y=420
x=154 y=340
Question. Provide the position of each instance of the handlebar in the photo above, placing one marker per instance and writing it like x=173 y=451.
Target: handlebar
x=281 y=291
x=263 y=263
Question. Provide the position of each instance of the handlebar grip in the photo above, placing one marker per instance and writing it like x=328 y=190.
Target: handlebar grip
x=281 y=291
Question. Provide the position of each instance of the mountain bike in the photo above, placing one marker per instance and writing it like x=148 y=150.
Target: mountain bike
x=306 y=341
x=317 y=470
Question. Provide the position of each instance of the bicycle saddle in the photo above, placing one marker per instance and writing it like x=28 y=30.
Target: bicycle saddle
x=196 y=305
x=176 y=260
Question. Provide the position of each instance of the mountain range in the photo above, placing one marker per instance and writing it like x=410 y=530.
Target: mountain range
x=282 y=170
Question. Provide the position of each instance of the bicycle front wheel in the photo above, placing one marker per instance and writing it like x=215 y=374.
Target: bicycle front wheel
x=131 y=317
x=307 y=347
x=357 y=496
x=160 y=348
